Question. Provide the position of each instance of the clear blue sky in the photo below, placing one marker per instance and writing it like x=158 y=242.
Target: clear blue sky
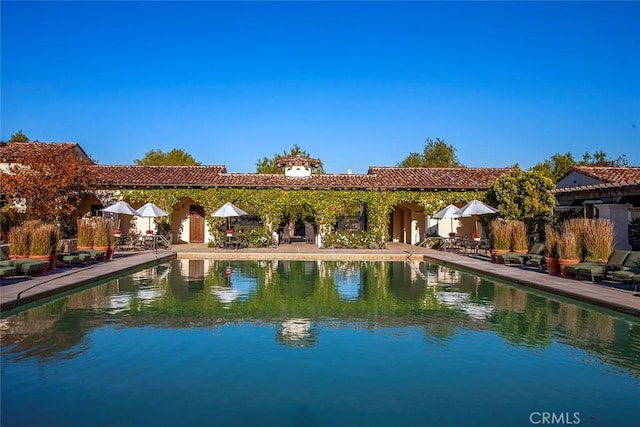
x=354 y=84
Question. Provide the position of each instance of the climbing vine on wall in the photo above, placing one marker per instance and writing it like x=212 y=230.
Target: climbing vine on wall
x=272 y=204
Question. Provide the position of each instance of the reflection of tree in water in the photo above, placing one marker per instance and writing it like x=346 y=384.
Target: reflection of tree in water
x=387 y=294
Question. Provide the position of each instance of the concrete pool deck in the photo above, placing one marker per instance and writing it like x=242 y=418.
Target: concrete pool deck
x=13 y=294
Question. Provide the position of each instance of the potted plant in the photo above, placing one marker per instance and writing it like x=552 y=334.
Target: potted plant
x=519 y=240
x=500 y=239
x=18 y=240
x=599 y=241
x=551 y=238
x=85 y=233
x=569 y=247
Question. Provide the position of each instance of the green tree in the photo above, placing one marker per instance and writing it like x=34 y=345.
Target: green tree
x=525 y=196
x=269 y=165
x=436 y=154
x=561 y=164
x=19 y=137
x=175 y=157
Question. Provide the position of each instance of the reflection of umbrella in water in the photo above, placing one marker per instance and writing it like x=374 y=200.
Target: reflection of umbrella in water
x=121 y=207
x=450 y=211
x=476 y=207
x=151 y=211
x=229 y=210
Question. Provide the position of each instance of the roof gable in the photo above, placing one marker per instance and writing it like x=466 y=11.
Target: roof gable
x=17 y=152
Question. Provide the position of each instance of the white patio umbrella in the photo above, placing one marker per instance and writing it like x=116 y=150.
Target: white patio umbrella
x=121 y=207
x=229 y=210
x=451 y=211
x=150 y=210
x=476 y=207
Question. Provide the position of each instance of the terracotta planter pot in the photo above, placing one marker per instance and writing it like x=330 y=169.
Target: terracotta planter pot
x=563 y=261
x=553 y=267
x=84 y=247
x=520 y=251
x=53 y=260
x=495 y=255
x=18 y=256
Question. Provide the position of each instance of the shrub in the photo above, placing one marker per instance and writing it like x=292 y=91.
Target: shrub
x=353 y=239
x=500 y=234
x=599 y=240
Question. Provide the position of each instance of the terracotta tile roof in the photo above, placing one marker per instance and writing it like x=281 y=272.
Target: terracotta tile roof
x=158 y=176
x=16 y=152
x=610 y=174
x=298 y=161
x=377 y=178
x=437 y=178
x=620 y=186
x=317 y=181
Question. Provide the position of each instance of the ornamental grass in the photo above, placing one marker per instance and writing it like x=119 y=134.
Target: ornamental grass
x=18 y=239
x=103 y=232
x=519 y=239
x=599 y=240
x=551 y=238
x=500 y=234
x=40 y=240
x=580 y=227
x=569 y=247
x=85 y=233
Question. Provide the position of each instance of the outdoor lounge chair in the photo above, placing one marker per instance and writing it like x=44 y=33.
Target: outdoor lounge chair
x=594 y=269
x=537 y=250
x=7 y=270
x=629 y=268
x=22 y=265
x=29 y=265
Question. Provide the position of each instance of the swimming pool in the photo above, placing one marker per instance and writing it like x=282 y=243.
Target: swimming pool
x=204 y=342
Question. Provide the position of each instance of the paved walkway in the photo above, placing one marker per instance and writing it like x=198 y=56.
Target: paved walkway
x=20 y=292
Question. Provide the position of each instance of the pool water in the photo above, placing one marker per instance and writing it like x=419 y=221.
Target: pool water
x=306 y=343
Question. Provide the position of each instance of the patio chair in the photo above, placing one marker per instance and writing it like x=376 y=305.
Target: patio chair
x=629 y=268
x=30 y=266
x=7 y=270
x=594 y=269
x=536 y=251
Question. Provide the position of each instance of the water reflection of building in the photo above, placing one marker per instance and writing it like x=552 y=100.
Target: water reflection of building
x=462 y=301
x=297 y=333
